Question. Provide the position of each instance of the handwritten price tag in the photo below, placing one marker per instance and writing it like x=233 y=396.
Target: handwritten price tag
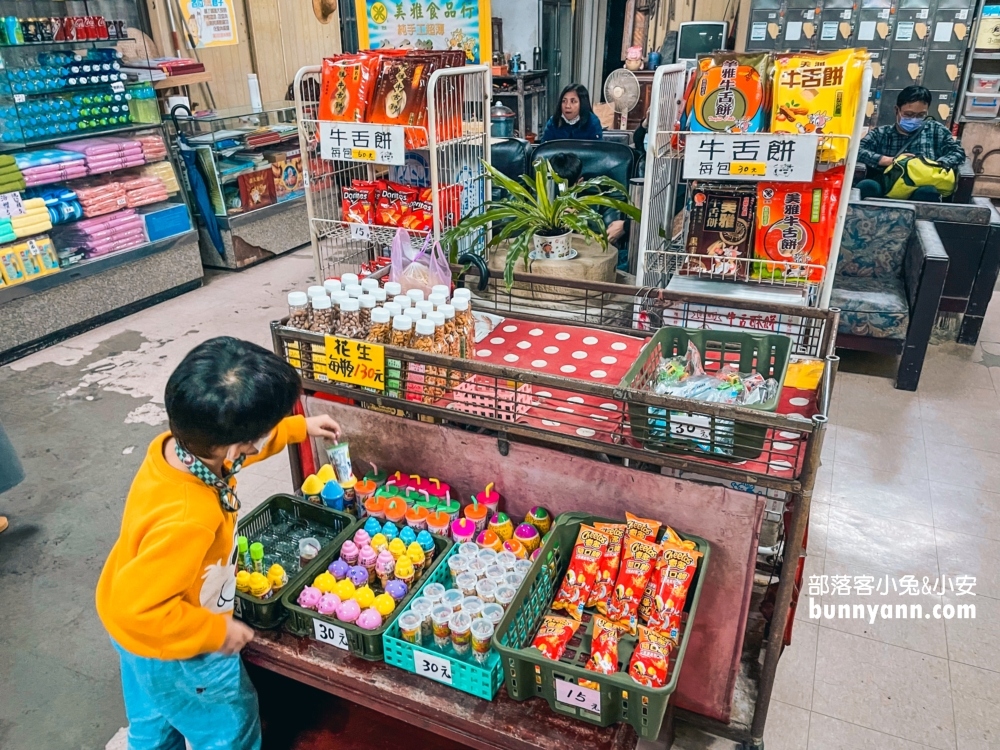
x=433 y=667
x=19 y=98
x=361 y=232
x=756 y=168
x=332 y=634
x=578 y=697
x=11 y=205
x=356 y=362
x=118 y=87
x=690 y=426
x=363 y=154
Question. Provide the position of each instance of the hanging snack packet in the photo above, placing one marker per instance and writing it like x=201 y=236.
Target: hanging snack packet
x=574 y=592
x=818 y=93
x=604 y=647
x=392 y=203
x=553 y=635
x=420 y=216
x=607 y=572
x=643 y=528
x=346 y=87
x=651 y=659
x=638 y=561
x=357 y=203
x=730 y=94
x=720 y=230
x=676 y=571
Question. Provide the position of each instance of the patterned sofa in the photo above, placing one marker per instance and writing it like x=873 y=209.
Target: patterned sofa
x=888 y=284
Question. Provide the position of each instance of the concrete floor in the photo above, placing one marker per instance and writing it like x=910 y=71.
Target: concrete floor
x=907 y=487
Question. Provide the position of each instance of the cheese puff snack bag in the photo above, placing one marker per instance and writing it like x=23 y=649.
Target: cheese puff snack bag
x=651 y=659
x=553 y=635
x=574 y=592
x=638 y=560
x=676 y=571
x=641 y=527
x=730 y=93
x=671 y=539
x=607 y=572
x=604 y=647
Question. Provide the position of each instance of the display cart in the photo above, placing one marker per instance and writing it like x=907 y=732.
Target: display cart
x=530 y=446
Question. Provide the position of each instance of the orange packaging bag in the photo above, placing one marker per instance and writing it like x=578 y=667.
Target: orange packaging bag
x=574 y=592
x=651 y=659
x=553 y=635
x=638 y=560
x=676 y=572
x=643 y=528
x=670 y=540
x=346 y=87
x=604 y=647
x=730 y=93
x=608 y=570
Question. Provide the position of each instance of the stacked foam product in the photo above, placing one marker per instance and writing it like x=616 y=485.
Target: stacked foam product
x=103 y=235
x=153 y=147
x=11 y=178
x=108 y=154
x=34 y=220
x=50 y=165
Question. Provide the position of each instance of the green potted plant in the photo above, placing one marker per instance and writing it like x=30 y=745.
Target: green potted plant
x=541 y=213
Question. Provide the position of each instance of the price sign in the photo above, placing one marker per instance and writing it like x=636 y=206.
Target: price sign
x=118 y=87
x=689 y=426
x=361 y=232
x=19 y=98
x=332 y=634
x=433 y=667
x=750 y=156
x=583 y=698
x=355 y=362
x=11 y=205
x=360 y=141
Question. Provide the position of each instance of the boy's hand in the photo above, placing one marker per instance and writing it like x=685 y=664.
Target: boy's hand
x=323 y=426
x=237 y=636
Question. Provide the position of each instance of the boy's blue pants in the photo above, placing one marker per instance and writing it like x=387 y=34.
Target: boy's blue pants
x=208 y=700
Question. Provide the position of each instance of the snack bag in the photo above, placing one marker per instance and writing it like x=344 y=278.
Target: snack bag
x=420 y=216
x=730 y=93
x=676 y=571
x=638 y=561
x=651 y=659
x=346 y=87
x=607 y=572
x=643 y=528
x=604 y=647
x=392 y=203
x=720 y=230
x=357 y=203
x=818 y=93
x=574 y=592
x=553 y=635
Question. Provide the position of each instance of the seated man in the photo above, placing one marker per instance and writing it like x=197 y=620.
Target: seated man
x=570 y=168
x=913 y=134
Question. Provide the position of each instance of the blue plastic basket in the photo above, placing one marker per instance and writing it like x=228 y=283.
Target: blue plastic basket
x=480 y=680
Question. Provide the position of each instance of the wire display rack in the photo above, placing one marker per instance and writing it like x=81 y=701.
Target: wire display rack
x=662 y=259
x=449 y=151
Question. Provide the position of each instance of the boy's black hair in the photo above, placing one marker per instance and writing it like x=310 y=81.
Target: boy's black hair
x=913 y=94
x=228 y=391
x=566 y=165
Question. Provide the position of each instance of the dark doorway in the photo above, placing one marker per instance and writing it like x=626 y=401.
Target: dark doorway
x=614 y=31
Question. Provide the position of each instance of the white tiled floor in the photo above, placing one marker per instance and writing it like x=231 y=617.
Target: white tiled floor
x=910 y=485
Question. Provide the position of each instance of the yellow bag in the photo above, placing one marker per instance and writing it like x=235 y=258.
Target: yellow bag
x=907 y=173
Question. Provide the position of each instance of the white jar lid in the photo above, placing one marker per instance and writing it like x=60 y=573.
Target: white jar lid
x=460 y=304
x=316 y=291
x=436 y=317
x=425 y=306
x=367 y=301
x=425 y=327
x=321 y=303
x=380 y=315
x=402 y=323
x=392 y=288
x=348 y=278
x=369 y=283
x=393 y=309
x=350 y=305
x=403 y=301
x=339 y=296
x=415 y=294
x=379 y=295
x=448 y=311
x=354 y=290
x=331 y=286
x=414 y=313
x=461 y=293
x=297 y=299
x=441 y=289
x=437 y=299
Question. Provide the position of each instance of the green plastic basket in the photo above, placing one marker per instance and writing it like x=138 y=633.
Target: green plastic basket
x=527 y=673
x=481 y=680
x=268 y=613
x=695 y=431
x=364 y=643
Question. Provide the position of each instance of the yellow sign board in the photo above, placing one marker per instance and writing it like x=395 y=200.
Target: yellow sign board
x=757 y=168
x=355 y=362
x=209 y=23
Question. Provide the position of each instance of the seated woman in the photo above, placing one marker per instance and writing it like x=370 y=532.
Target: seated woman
x=574 y=118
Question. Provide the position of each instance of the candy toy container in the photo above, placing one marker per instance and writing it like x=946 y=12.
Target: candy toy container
x=451 y=506
x=348 y=611
x=404 y=570
x=362 y=537
x=309 y=597
x=375 y=508
x=366 y=559
x=312 y=488
x=385 y=567
x=333 y=495
x=358 y=575
x=395 y=512
x=501 y=525
x=416 y=554
x=535 y=554
x=490 y=498
x=328 y=604
x=385 y=604
x=364 y=490
x=460 y=626
x=243 y=581
x=514 y=546
x=481 y=638
x=376 y=476
x=277 y=577
x=396 y=589
x=411 y=627
x=408 y=535
x=344 y=589
x=416 y=518
x=440 y=617
x=488 y=539
x=476 y=512
x=426 y=542
x=528 y=535
x=540 y=518
x=365 y=597
x=373 y=526
x=338 y=569
x=389 y=530
x=369 y=619
x=326 y=474
x=325 y=582
x=463 y=530
x=349 y=552
x=397 y=547
x=380 y=542
x=259 y=586
x=438 y=522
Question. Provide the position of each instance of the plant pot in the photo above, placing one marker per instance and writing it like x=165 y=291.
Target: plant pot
x=554 y=247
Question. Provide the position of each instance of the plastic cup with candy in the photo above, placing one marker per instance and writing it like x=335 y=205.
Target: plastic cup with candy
x=490 y=498
x=416 y=517
x=375 y=508
x=380 y=542
x=366 y=559
x=506 y=560
x=365 y=597
x=309 y=597
x=377 y=476
x=493 y=612
x=358 y=575
x=385 y=604
x=468 y=550
x=473 y=605
x=433 y=592
x=369 y=619
x=422 y=608
x=348 y=611
x=466 y=583
x=438 y=522
x=426 y=542
x=476 y=512
x=478 y=567
x=515 y=547
x=540 y=518
x=396 y=589
x=259 y=587
x=344 y=589
x=486 y=590
x=460 y=626
x=463 y=531
x=373 y=526
x=411 y=628
x=349 y=552
x=488 y=539
x=513 y=579
x=362 y=537
x=452 y=598
x=451 y=506
x=397 y=548
x=495 y=573
x=385 y=567
x=395 y=512
x=521 y=567
x=505 y=595
x=487 y=556
x=408 y=535
x=404 y=570
x=365 y=490
x=243 y=581
x=440 y=619
x=501 y=525
x=528 y=536
x=308 y=549
x=327 y=604
x=481 y=639
x=338 y=569
x=325 y=582
x=457 y=565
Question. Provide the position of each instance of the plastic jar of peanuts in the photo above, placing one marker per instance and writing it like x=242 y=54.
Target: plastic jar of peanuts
x=349 y=325
x=322 y=315
x=403 y=301
x=298 y=310
x=354 y=290
x=369 y=284
x=331 y=286
x=315 y=291
x=367 y=304
x=402 y=331
x=437 y=299
x=337 y=298
x=417 y=295
x=393 y=308
x=466 y=327
x=392 y=289
x=425 y=306
x=441 y=289
x=348 y=278
x=378 y=332
x=379 y=295
x=450 y=330
x=424 y=384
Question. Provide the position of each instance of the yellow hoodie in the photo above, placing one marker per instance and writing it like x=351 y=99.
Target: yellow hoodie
x=168 y=584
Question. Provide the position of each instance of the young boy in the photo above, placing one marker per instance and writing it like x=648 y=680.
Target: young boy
x=166 y=592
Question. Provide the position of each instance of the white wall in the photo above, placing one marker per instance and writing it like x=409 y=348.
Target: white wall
x=520 y=26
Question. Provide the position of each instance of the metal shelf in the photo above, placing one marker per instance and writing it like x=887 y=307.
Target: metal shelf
x=8 y=147
x=249 y=217
x=71 y=42
x=93 y=267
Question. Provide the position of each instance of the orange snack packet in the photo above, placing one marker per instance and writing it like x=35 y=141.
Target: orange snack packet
x=651 y=659
x=670 y=539
x=346 y=87
x=641 y=527
x=553 y=635
x=607 y=572
x=676 y=571
x=638 y=561
x=574 y=592
x=604 y=647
